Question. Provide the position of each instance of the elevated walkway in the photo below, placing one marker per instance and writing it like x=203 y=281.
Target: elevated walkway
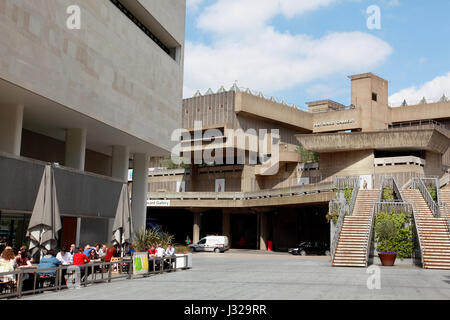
x=313 y=193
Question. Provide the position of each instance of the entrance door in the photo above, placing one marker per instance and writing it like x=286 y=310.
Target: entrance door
x=244 y=231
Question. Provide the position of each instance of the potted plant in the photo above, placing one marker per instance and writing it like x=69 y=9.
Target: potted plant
x=386 y=231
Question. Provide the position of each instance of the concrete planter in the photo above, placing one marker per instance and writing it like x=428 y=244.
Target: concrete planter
x=181 y=261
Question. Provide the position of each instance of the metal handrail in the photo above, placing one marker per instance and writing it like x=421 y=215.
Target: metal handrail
x=393 y=179
x=344 y=209
x=369 y=234
x=427 y=196
x=354 y=195
x=419 y=236
x=105 y=267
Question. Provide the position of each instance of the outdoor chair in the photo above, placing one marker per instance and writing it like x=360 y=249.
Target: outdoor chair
x=6 y=287
x=46 y=280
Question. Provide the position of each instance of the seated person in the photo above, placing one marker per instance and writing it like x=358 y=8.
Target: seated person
x=80 y=259
x=170 y=251
x=48 y=261
x=23 y=259
x=152 y=251
x=159 y=251
x=8 y=264
x=64 y=256
x=87 y=250
x=93 y=256
x=110 y=252
x=130 y=250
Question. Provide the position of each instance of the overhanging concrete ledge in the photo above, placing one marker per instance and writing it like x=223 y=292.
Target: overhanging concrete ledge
x=414 y=138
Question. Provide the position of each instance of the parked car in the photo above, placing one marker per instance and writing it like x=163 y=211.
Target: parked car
x=311 y=247
x=211 y=243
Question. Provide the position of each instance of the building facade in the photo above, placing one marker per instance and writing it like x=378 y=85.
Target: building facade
x=285 y=206
x=97 y=99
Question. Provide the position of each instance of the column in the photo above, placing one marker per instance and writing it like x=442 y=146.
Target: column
x=120 y=162
x=226 y=225
x=75 y=158
x=263 y=231
x=11 y=120
x=75 y=148
x=196 y=233
x=139 y=190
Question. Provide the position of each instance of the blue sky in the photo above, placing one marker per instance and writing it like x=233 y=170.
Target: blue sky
x=303 y=50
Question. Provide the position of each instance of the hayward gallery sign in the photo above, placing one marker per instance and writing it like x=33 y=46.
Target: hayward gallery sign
x=333 y=123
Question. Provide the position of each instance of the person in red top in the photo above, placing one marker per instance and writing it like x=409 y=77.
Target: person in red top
x=110 y=253
x=152 y=251
x=79 y=259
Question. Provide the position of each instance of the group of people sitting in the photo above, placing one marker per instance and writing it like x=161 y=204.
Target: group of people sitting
x=9 y=261
x=159 y=251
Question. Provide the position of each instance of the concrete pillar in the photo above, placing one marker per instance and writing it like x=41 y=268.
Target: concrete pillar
x=226 y=228
x=75 y=148
x=75 y=158
x=120 y=162
x=139 y=190
x=263 y=230
x=196 y=231
x=11 y=120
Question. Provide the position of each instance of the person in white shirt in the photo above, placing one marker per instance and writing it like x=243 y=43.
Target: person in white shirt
x=64 y=256
x=170 y=251
x=159 y=251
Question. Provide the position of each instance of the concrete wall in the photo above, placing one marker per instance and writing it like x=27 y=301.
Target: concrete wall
x=40 y=147
x=346 y=163
x=219 y=108
x=109 y=70
x=438 y=110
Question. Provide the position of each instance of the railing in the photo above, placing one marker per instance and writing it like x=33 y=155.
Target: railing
x=79 y=275
x=344 y=209
x=395 y=208
x=419 y=236
x=390 y=182
x=344 y=182
x=419 y=183
x=290 y=191
x=423 y=124
x=354 y=195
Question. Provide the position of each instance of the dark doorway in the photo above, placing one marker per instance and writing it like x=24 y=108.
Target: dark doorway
x=211 y=223
x=178 y=222
x=244 y=231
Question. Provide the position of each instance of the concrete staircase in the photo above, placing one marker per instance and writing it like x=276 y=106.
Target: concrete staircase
x=434 y=232
x=444 y=194
x=351 y=250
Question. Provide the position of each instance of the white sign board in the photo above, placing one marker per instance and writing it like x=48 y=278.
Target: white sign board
x=220 y=185
x=181 y=186
x=303 y=181
x=365 y=182
x=158 y=203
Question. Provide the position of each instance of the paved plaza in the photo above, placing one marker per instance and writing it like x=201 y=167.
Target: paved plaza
x=242 y=275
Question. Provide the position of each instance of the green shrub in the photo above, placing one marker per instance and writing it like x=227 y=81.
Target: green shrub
x=433 y=193
x=392 y=233
x=388 y=195
x=146 y=238
x=180 y=248
x=348 y=194
x=334 y=216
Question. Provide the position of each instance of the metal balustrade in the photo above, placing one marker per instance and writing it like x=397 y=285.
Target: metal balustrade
x=420 y=184
x=344 y=209
x=89 y=273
